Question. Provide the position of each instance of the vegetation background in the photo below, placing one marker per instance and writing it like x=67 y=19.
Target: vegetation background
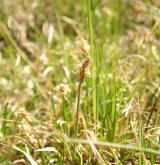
x=79 y=82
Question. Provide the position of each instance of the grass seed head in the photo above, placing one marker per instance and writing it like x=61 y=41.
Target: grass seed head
x=84 y=69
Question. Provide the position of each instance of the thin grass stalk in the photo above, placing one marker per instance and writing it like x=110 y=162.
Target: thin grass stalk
x=153 y=109
x=77 y=110
x=77 y=117
x=114 y=114
x=140 y=157
x=116 y=145
x=90 y=28
x=82 y=74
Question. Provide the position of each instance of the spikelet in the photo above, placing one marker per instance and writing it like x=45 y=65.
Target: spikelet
x=84 y=69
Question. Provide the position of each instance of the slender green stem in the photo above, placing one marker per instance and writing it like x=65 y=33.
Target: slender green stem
x=91 y=39
x=115 y=145
x=77 y=117
x=77 y=111
x=114 y=113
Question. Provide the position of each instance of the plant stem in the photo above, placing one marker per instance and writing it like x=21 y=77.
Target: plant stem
x=77 y=111
x=153 y=109
x=92 y=53
x=77 y=117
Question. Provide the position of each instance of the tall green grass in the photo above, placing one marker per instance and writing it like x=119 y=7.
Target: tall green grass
x=107 y=118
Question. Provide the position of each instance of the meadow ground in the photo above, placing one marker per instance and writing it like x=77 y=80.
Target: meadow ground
x=79 y=82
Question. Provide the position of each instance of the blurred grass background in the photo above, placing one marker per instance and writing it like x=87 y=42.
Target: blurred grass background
x=43 y=45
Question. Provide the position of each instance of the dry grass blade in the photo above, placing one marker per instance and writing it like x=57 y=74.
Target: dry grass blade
x=95 y=151
x=47 y=149
x=30 y=159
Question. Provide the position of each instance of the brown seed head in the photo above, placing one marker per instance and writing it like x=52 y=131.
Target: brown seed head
x=83 y=69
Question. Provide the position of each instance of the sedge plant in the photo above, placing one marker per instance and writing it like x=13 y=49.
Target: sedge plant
x=82 y=74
